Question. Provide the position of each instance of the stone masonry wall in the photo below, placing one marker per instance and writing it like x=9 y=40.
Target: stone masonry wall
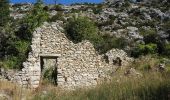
x=78 y=65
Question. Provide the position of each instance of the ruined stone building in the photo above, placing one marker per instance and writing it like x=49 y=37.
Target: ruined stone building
x=76 y=65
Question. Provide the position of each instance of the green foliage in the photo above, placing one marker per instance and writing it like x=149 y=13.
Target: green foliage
x=166 y=25
x=147 y=32
x=108 y=22
x=58 y=16
x=15 y=53
x=17 y=45
x=37 y=16
x=58 y=8
x=4 y=12
x=107 y=43
x=75 y=10
x=10 y=62
x=98 y=9
x=84 y=29
x=126 y=4
x=142 y=49
x=146 y=63
x=81 y=28
x=167 y=50
x=50 y=75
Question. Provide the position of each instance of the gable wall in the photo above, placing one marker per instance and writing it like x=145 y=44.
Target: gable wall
x=79 y=65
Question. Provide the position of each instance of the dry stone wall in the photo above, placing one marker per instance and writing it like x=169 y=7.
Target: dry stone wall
x=78 y=65
x=116 y=54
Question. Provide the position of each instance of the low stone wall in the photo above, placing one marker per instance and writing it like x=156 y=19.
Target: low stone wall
x=78 y=65
x=118 y=57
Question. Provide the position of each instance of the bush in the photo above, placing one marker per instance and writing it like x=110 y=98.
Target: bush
x=147 y=32
x=58 y=16
x=98 y=9
x=37 y=16
x=146 y=63
x=84 y=29
x=107 y=43
x=17 y=44
x=142 y=49
x=58 y=8
x=75 y=10
x=4 y=12
x=81 y=28
x=166 y=25
x=167 y=50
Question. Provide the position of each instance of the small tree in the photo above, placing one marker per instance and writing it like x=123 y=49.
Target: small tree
x=4 y=19
x=37 y=16
x=18 y=45
x=82 y=28
x=33 y=19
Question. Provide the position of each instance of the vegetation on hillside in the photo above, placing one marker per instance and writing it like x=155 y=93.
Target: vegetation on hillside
x=15 y=42
x=153 y=84
x=82 y=28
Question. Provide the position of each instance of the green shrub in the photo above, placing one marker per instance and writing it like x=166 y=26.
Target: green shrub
x=81 y=28
x=127 y=4
x=17 y=44
x=58 y=8
x=84 y=29
x=4 y=12
x=98 y=9
x=50 y=76
x=146 y=63
x=142 y=49
x=37 y=16
x=58 y=16
x=147 y=32
x=167 y=50
x=107 y=43
x=75 y=10
x=10 y=62
x=166 y=25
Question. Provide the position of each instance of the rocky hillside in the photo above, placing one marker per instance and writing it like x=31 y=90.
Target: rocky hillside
x=134 y=21
x=124 y=43
x=138 y=27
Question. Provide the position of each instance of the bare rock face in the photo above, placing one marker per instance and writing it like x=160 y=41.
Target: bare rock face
x=133 y=33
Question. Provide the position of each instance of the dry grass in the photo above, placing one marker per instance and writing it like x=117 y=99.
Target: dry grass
x=152 y=85
x=12 y=90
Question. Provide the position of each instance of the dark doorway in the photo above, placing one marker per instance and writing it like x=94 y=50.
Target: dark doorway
x=49 y=69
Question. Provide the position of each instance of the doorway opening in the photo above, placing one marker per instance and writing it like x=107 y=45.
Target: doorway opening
x=49 y=68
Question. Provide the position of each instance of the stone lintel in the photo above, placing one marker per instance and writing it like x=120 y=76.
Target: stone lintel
x=50 y=55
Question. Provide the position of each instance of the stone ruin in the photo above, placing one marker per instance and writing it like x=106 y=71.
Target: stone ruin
x=76 y=65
